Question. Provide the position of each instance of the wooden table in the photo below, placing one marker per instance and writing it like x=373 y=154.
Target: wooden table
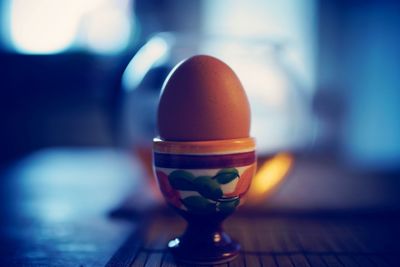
x=279 y=240
x=55 y=210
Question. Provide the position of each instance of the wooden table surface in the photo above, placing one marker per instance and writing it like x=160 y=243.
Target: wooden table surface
x=279 y=240
x=55 y=211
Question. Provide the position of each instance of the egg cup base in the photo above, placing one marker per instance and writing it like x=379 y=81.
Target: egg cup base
x=198 y=247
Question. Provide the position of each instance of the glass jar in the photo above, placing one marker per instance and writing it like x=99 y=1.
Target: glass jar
x=280 y=105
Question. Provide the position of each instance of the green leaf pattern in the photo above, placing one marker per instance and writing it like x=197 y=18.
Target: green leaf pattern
x=228 y=206
x=225 y=176
x=208 y=188
x=182 y=180
x=210 y=198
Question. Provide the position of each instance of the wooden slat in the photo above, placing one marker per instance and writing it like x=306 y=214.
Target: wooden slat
x=299 y=260
x=332 y=261
x=250 y=246
x=140 y=260
x=168 y=261
x=342 y=241
x=252 y=260
x=126 y=254
x=393 y=260
x=316 y=260
x=268 y=261
x=354 y=240
x=189 y=265
x=154 y=259
x=364 y=261
x=348 y=261
x=266 y=243
x=311 y=237
x=330 y=238
x=379 y=261
x=291 y=243
x=238 y=262
x=283 y=261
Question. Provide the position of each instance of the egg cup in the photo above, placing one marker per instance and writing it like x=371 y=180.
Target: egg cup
x=204 y=181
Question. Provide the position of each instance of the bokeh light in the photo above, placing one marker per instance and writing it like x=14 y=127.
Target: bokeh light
x=54 y=26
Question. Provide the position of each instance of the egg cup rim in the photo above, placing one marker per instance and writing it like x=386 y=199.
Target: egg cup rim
x=204 y=147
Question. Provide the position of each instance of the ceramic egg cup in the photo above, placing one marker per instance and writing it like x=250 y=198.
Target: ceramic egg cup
x=204 y=181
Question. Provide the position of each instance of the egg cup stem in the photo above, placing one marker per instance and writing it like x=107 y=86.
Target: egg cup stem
x=204 y=241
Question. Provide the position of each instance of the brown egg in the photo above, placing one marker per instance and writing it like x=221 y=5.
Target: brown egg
x=203 y=99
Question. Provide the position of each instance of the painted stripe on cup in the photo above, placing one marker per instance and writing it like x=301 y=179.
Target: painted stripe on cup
x=203 y=161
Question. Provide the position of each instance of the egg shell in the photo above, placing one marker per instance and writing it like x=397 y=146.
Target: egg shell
x=203 y=99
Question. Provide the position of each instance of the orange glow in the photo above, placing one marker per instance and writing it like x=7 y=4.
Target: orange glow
x=270 y=174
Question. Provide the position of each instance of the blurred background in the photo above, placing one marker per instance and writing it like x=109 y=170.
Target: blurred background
x=80 y=80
